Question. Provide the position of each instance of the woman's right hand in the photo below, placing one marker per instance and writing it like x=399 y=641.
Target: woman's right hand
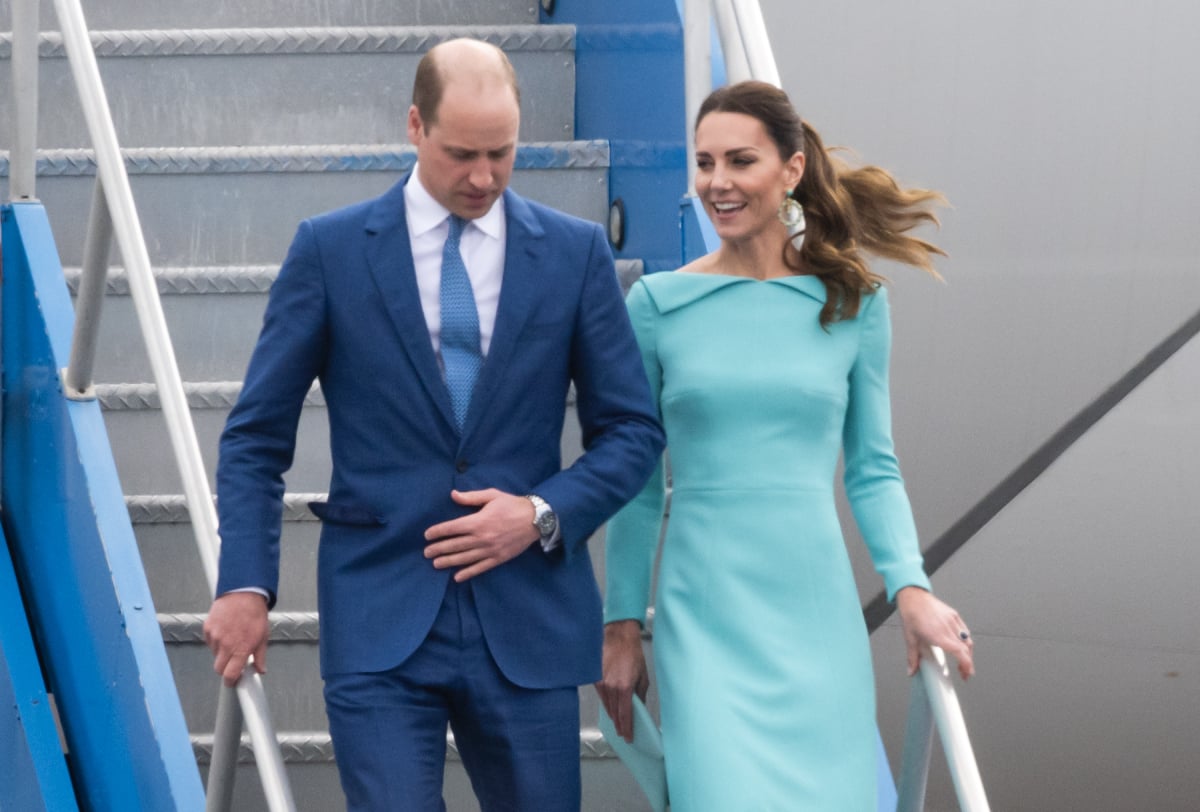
x=624 y=674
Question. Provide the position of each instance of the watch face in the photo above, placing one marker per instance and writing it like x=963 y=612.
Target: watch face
x=543 y=516
x=546 y=522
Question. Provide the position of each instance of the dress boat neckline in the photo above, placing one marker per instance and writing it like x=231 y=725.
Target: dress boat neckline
x=735 y=276
x=670 y=293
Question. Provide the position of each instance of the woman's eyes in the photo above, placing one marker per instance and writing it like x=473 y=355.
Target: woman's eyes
x=708 y=165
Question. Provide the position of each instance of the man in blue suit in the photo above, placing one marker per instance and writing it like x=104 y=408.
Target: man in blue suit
x=454 y=581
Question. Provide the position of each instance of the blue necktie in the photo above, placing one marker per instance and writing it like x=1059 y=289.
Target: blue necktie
x=461 y=354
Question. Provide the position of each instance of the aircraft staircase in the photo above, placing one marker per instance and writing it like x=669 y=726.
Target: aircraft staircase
x=237 y=121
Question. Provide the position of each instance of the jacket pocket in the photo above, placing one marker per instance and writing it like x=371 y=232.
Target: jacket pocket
x=336 y=513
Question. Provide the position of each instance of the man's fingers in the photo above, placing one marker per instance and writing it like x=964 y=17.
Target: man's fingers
x=231 y=672
x=479 y=568
x=474 y=498
x=463 y=558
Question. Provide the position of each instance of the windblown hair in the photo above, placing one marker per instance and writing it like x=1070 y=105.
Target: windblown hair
x=430 y=83
x=849 y=211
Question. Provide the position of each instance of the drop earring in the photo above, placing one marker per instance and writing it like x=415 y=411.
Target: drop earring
x=791 y=214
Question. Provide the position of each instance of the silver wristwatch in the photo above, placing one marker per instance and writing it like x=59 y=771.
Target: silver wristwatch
x=544 y=518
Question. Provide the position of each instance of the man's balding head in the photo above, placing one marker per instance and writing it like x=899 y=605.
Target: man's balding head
x=465 y=121
x=479 y=65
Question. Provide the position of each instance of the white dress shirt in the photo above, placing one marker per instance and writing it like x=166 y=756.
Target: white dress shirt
x=482 y=249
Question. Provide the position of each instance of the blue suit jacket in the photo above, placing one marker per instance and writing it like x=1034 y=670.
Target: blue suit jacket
x=345 y=310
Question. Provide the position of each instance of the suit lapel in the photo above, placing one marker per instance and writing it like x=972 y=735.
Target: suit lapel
x=389 y=255
x=523 y=263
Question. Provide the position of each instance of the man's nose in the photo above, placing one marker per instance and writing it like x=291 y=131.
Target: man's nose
x=482 y=174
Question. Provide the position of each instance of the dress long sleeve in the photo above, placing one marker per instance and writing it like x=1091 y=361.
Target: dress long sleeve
x=872 y=474
x=631 y=539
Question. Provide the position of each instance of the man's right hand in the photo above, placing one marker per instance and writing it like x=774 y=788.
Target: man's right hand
x=235 y=630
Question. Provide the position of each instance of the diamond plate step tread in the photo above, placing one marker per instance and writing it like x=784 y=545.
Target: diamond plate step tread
x=314 y=747
x=592 y=154
x=172 y=508
x=164 y=14
x=247 y=41
x=222 y=279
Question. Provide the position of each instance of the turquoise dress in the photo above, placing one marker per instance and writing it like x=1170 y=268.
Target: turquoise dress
x=761 y=654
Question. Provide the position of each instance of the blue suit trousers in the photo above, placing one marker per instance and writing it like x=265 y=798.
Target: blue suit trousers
x=520 y=746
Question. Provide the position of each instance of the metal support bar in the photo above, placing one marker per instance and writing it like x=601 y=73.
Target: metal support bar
x=918 y=748
x=227 y=738
x=737 y=65
x=77 y=377
x=144 y=291
x=22 y=179
x=756 y=45
x=697 y=72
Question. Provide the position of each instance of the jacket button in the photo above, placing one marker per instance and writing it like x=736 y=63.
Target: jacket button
x=461 y=466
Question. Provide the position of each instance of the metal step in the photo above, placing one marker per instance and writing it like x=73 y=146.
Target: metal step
x=140 y=445
x=168 y=549
x=160 y=14
x=240 y=206
x=607 y=784
x=212 y=341
x=189 y=88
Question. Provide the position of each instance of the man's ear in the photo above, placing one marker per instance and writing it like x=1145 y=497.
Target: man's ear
x=416 y=127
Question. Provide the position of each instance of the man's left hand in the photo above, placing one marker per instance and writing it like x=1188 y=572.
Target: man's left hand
x=499 y=531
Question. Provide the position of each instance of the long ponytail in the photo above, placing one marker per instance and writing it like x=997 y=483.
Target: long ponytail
x=852 y=211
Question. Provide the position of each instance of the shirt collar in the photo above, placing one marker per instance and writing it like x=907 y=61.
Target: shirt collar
x=426 y=214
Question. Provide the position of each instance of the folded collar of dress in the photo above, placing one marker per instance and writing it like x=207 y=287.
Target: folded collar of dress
x=673 y=290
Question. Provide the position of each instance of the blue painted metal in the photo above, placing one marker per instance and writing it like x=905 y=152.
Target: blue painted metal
x=629 y=90
x=75 y=556
x=33 y=772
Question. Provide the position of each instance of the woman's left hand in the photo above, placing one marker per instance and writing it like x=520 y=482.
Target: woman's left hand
x=930 y=622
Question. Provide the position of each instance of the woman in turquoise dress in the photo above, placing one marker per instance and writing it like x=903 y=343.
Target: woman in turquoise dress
x=769 y=359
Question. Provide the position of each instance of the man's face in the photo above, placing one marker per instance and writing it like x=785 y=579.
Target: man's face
x=465 y=158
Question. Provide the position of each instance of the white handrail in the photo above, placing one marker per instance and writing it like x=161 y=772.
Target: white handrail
x=127 y=228
x=934 y=703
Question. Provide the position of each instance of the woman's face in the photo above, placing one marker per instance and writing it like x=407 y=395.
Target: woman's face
x=740 y=177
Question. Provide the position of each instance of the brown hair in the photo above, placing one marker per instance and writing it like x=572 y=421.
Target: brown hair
x=848 y=210
x=430 y=81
